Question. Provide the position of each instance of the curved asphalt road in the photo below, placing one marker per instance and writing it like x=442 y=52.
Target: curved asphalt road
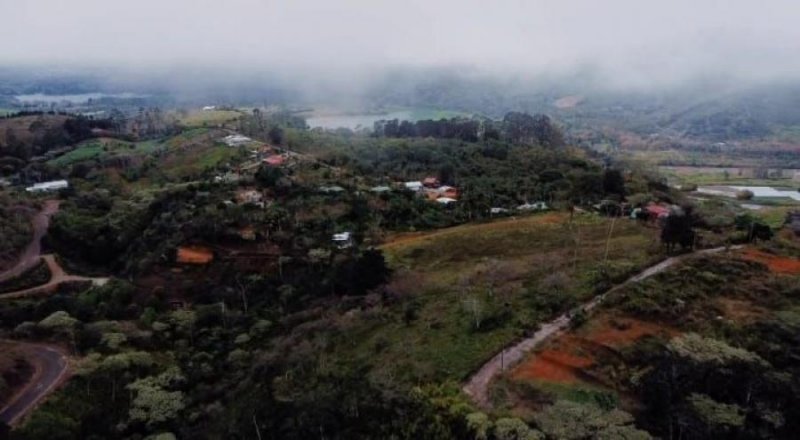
x=50 y=368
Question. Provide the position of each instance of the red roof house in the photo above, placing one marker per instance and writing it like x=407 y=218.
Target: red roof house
x=275 y=160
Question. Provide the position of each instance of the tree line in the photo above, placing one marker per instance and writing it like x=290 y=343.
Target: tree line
x=515 y=127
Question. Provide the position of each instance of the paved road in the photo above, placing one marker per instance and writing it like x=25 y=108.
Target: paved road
x=58 y=276
x=50 y=368
x=478 y=384
x=30 y=256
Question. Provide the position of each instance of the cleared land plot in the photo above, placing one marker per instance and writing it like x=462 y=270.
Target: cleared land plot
x=201 y=118
x=464 y=293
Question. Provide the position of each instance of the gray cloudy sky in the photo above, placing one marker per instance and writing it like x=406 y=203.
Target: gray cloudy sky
x=644 y=38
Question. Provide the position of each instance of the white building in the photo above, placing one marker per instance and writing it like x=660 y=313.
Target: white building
x=209 y=108
x=54 y=185
x=446 y=200
x=342 y=240
x=536 y=206
x=236 y=140
x=414 y=186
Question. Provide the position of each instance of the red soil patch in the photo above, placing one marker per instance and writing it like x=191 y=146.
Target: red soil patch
x=621 y=332
x=568 y=356
x=776 y=264
x=194 y=255
x=561 y=363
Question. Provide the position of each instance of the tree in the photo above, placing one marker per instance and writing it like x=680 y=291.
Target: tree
x=61 y=323
x=614 y=182
x=678 y=229
x=515 y=429
x=574 y=421
x=153 y=403
x=276 y=135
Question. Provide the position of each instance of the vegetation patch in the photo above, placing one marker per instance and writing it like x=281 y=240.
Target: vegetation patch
x=35 y=276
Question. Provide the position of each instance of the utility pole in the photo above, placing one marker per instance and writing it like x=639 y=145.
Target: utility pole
x=258 y=430
x=608 y=240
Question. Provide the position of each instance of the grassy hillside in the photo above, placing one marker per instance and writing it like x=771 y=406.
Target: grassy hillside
x=463 y=293
x=103 y=148
x=213 y=118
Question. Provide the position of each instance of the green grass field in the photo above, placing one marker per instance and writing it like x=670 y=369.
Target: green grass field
x=492 y=272
x=202 y=118
x=104 y=148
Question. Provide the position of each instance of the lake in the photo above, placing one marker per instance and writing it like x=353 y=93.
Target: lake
x=758 y=191
x=356 y=121
x=80 y=98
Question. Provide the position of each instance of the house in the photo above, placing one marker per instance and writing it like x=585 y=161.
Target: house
x=209 y=108
x=446 y=200
x=535 y=206
x=245 y=196
x=448 y=191
x=655 y=211
x=497 y=210
x=342 y=240
x=380 y=189
x=415 y=186
x=275 y=160
x=431 y=182
x=236 y=140
x=331 y=189
x=54 y=185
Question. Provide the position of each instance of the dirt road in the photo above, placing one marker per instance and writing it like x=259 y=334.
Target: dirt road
x=30 y=256
x=478 y=384
x=58 y=276
x=50 y=369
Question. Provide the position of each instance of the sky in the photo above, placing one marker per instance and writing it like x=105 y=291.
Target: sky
x=640 y=40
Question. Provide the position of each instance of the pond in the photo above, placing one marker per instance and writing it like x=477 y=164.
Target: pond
x=758 y=191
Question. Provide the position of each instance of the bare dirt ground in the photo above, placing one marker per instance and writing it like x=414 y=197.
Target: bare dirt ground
x=776 y=264
x=30 y=256
x=478 y=384
x=566 y=358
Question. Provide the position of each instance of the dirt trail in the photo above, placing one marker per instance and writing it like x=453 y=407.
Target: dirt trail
x=30 y=256
x=58 y=276
x=50 y=369
x=478 y=384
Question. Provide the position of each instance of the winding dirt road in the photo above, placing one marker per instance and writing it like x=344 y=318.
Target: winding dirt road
x=30 y=256
x=478 y=384
x=50 y=370
x=57 y=277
